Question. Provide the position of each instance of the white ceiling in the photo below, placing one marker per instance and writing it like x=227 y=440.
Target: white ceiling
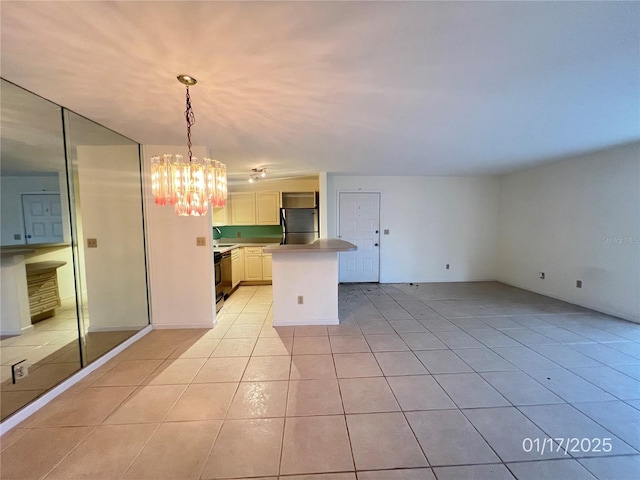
x=431 y=88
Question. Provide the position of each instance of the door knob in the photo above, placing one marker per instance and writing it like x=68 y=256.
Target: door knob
x=377 y=231
x=375 y=244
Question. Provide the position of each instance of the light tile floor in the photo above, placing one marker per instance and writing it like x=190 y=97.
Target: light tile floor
x=446 y=381
x=52 y=351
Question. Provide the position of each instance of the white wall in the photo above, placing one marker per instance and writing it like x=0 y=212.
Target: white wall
x=109 y=193
x=578 y=219
x=181 y=274
x=432 y=221
x=11 y=190
x=314 y=276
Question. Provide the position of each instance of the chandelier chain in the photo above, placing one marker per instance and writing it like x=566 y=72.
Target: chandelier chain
x=191 y=119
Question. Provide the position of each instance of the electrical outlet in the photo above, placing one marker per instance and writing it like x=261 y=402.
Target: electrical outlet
x=92 y=243
x=447 y=267
x=542 y=275
x=19 y=370
x=300 y=299
x=201 y=241
x=579 y=283
x=17 y=236
x=386 y=231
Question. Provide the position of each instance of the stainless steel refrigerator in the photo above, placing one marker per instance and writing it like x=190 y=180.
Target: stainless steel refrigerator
x=299 y=225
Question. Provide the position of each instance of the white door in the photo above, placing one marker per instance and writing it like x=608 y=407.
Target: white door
x=359 y=223
x=42 y=218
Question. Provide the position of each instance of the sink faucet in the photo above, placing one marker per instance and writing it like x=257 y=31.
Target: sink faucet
x=218 y=230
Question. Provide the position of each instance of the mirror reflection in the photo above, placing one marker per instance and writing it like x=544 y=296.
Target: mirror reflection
x=63 y=304
x=104 y=172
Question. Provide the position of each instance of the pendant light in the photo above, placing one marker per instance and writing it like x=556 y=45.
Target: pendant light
x=191 y=186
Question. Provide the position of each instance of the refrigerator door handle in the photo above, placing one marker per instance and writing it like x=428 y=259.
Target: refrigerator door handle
x=283 y=224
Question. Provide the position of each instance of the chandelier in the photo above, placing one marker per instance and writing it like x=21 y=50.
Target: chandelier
x=191 y=186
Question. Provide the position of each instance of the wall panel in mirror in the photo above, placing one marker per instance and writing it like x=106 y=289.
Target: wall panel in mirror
x=105 y=174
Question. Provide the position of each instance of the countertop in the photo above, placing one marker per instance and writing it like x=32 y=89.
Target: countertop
x=228 y=246
x=319 y=246
x=43 y=266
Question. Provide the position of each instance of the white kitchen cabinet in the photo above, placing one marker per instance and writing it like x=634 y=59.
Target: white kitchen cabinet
x=254 y=208
x=219 y=217
x=243 y=208
x=268 y=208
x=253 y=264
x=266 y=266
x=237 y=267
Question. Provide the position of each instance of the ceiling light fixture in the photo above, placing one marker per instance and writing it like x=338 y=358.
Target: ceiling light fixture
x=190 y=186
x=257 y=174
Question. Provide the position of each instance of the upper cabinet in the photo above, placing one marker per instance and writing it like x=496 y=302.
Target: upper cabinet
x=220 y=217
x=254 y=208
x=243 y=208
x=268 y=208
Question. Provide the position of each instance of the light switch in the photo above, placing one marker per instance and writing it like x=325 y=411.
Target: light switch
x=386 y=231
x=201 y=241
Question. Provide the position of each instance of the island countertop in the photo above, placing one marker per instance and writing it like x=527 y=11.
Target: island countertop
x=319 y=246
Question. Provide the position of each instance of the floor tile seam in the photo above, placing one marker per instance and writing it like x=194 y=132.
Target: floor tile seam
x=83 y=439
x=532 y=350
x=462 y=411
x=637 y=407
x=528 y=374
x=569 y=436
x=210 y=450
x=601 y=424
x=561 y=396
x=346 y=424
x=571 y=369
x=536 y=381
x=450 y=350
x=492 y=387
x=286 y=408
x=515 y=367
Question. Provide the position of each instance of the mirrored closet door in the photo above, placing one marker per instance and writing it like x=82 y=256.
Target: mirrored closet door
x=72 y=246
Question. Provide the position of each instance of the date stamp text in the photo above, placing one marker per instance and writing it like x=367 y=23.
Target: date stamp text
x=567 y=445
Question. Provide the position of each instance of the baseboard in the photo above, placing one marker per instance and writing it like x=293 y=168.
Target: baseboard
x=10 y=333
x=121 y=328
x=41 y=401
x=168 y=326
x=584 y=305
x=303 y=323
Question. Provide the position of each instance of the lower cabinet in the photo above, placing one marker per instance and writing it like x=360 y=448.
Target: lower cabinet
x=237 y=266
x=257 y=265
x=266 y=266
x=42 y=282
x=252 y=265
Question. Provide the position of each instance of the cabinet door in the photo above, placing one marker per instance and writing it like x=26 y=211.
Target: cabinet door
x=235 y=271
x=219 y=217
x=268 y=208
x=243 y=208
x=266 y=266
x=252 y=267
x=241 y=263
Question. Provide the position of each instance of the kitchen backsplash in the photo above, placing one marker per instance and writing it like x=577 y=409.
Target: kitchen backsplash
x=248 y=231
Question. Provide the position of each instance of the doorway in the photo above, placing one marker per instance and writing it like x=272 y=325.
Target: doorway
x=42 y=213
x=359 y=223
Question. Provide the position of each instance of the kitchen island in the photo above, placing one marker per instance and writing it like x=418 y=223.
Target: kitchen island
x=305 y=282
